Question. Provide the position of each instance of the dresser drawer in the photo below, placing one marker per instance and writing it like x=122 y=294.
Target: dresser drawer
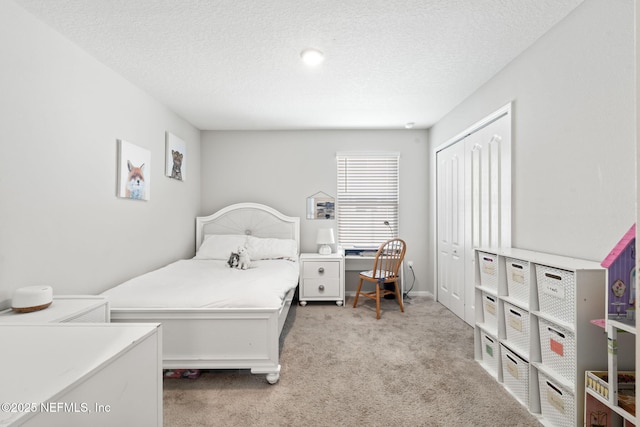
x=329 y=288
x=318 y=269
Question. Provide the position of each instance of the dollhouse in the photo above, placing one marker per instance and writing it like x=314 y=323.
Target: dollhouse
x=621 y=278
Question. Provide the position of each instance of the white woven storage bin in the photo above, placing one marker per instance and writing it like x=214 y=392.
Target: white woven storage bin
x=558 y=348
x=488 y=270
x=557 y=404
x=556 y=292
x=518 y=279
x=517 y=328
x=515 y=374
x=490 y=353
x=490 y=311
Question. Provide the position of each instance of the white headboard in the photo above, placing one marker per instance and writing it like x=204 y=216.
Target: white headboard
x=248 y=218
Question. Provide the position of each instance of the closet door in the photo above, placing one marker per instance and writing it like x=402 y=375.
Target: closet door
x=451 y=227
x=487 y=198
x=473 y=197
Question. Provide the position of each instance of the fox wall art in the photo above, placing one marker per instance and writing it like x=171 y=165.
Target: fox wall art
x=134 y=171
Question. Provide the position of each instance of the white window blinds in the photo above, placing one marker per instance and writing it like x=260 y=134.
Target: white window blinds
x=368 y=198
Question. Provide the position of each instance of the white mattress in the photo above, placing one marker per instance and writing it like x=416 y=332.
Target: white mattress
x=208 y=284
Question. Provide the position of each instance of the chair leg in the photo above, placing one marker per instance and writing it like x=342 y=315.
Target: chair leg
x=399 y=297
x=377 y=301
x=355 y=301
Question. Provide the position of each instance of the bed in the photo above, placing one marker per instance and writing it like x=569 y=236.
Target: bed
x=233 y=330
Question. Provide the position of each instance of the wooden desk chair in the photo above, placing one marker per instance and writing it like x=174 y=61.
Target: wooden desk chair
x=385 y=270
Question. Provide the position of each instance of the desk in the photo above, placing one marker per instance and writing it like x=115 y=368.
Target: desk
x=357 y=263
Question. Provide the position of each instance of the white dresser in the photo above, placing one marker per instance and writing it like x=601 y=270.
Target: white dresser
x=66 y=308
x=79 y=374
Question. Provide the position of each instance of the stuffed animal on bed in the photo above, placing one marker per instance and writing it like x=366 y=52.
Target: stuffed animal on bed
x=244 y=260
x=240 y=259
x=234 y=260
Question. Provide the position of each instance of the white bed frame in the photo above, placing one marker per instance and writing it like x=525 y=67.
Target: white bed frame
x=225 y=338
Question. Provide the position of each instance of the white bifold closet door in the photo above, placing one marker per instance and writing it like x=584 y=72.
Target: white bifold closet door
x=473 y=197
x=450 y=213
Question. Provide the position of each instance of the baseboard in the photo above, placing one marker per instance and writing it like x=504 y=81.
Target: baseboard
x=412 y=294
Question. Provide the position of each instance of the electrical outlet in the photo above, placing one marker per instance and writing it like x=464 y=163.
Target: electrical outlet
x=410 y=263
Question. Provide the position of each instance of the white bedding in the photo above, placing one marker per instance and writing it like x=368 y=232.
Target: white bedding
x=198 y=283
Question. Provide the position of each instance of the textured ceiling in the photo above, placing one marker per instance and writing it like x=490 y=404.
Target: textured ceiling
x=235 y=64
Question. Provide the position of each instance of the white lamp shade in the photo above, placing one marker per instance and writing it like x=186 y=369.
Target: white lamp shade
x=325 y=238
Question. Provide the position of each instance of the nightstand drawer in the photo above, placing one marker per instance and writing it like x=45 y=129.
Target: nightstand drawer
x=329 y=288
x=319 y=269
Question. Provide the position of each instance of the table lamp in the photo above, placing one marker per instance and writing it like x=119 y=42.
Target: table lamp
x=325 y=238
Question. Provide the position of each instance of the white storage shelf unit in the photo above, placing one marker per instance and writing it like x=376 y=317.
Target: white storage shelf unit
x=533 y=331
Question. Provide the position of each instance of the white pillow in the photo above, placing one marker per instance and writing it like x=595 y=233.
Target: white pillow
x=220 y=246
x=270 y=248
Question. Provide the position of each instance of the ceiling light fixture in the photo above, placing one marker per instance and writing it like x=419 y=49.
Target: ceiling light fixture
x=312 y=57
x=409 y=125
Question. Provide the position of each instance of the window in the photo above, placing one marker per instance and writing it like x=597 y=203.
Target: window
x=368 y=198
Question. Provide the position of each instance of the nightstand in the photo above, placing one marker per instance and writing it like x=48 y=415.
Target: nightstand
x=64 y=309
x=321 y=278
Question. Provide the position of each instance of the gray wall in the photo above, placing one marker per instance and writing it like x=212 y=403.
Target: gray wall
x=574 y=162
x=282 y=169
x=61 y=112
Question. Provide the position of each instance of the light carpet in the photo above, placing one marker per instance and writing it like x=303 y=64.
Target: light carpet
x=342 y=367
